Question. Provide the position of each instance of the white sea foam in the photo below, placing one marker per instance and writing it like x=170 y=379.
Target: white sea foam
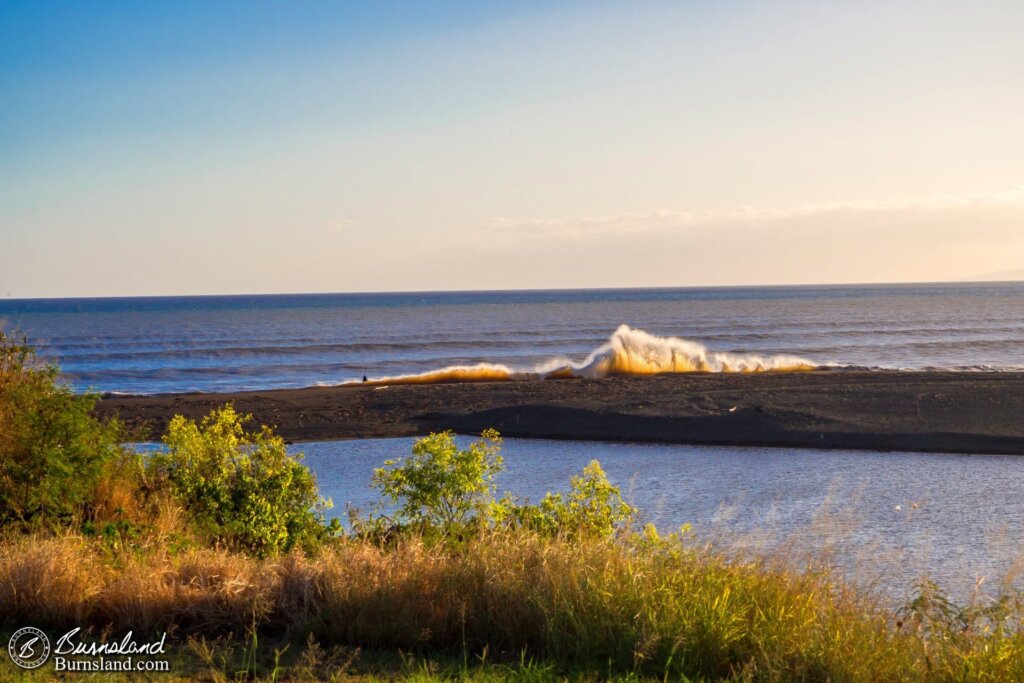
x=627 y=352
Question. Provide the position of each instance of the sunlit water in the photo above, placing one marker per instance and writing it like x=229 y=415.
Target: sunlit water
x=967 y=524
x=151 y=345
x=969 y=516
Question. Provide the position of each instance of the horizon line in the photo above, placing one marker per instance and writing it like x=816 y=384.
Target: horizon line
x=513 y=290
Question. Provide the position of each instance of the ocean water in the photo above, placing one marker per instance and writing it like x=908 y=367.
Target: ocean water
x=884 y=519
x=958 y=518
x=226 y=343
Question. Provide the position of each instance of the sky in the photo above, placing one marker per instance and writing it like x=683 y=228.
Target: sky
x=162 y=148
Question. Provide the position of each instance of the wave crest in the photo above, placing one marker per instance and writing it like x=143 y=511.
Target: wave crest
x=627 y=352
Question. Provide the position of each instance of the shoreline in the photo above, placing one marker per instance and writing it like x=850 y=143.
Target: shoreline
x=944 y=412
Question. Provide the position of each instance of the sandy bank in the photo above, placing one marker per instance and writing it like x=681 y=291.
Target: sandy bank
x=922 y=411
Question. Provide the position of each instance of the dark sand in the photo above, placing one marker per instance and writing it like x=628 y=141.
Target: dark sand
x=907 y=411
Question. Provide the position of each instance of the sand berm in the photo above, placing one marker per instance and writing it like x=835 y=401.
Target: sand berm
x=958 y=412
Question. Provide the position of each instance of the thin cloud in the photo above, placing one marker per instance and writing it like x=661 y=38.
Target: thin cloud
x=944 y=214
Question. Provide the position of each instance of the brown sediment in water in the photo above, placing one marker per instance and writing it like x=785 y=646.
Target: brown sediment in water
x=962 y=412
x=628 y=352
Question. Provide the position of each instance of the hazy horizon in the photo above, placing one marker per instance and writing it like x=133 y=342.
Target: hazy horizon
x=1010 y=279
x=244 y=148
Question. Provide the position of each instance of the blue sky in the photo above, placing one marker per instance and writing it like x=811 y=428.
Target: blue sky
x=85 y=74
x=175 y=148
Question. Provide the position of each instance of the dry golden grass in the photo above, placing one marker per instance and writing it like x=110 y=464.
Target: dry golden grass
x=53 y=580
x=593 y=605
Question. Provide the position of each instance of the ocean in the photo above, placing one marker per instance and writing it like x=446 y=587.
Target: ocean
x=228 y=343
x=883 y=518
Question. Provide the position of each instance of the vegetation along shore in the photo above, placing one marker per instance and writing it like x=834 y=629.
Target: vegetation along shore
x=221 y=542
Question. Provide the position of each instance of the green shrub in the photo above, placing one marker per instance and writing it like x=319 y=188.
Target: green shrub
x=53 y=452
x=593 y=507
x=444 y=489
x=441 y=487
x=242 y=490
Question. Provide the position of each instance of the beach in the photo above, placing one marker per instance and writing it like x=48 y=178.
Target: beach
x=955 y=412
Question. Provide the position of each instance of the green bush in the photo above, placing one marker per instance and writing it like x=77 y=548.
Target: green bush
x=441 y=487
x=53 y=452
x=593 y=507
x=242 y=490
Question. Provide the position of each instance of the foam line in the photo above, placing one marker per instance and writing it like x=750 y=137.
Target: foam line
x=627 y=352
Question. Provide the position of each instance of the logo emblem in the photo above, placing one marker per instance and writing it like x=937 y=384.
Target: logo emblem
x=29 y=648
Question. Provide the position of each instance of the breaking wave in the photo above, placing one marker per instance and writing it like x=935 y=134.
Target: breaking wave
x=627 y=352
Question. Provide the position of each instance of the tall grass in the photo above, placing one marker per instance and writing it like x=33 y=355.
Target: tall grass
x=653 y=608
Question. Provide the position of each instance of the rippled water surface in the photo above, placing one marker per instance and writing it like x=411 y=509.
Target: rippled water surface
x=886 y=518
x=149 y=345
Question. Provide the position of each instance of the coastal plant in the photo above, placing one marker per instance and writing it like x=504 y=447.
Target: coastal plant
x=53 y=451
x=241 y=490
x=593 y=507
x=582 y=607
x=442 y=487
